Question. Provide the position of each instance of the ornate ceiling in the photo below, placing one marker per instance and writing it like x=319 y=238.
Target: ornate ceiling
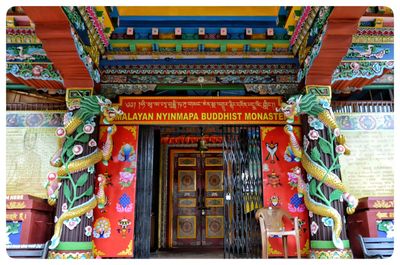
x=134 y=50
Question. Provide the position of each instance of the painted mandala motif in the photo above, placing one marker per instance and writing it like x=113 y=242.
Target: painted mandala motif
x=102 y=228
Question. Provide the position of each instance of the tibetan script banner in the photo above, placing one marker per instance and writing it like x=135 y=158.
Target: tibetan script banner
x=200 y=110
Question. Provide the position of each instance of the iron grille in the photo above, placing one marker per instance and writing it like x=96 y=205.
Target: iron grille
x=242 y=191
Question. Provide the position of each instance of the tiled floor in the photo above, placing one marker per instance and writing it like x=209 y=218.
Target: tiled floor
x=193 y=253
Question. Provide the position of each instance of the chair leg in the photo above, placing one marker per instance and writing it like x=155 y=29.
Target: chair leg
x=265 y=250
x=298 y=247
x=285 y=250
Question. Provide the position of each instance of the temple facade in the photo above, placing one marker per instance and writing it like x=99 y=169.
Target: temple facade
x=160 y=132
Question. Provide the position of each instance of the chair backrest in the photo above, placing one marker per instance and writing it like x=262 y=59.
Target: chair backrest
x=376 y=247
x=273 y=218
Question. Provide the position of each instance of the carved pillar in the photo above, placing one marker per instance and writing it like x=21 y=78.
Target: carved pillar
x=322 y=189
x=73 y=183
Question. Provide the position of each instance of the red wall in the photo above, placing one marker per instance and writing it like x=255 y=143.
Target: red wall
x=118 y=215
x=280 y=186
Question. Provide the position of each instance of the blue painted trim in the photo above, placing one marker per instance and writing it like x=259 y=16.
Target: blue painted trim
x=282 y=11
x=114 y=12
x=200 y=61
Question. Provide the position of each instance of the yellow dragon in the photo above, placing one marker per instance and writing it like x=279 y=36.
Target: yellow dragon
x=309 y=104
x=89 y=107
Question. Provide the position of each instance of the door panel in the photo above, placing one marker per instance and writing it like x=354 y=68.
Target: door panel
x=197 y=199
x=185 y=229
x=213 y=200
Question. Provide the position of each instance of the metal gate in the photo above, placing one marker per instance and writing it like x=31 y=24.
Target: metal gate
x=242 y=191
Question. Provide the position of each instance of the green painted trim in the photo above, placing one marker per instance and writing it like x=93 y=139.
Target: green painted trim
x=75 y=246
x=322 y=244
x=180 y=42
x=203 y=87
x=18 y=87
x=378 y=86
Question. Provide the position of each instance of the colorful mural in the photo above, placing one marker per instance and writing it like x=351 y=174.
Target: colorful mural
x=280 y=173
x=113 y=229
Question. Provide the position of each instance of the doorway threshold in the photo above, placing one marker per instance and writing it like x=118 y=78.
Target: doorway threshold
x=189 y=253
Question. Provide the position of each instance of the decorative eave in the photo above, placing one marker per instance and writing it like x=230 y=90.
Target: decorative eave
x=200 y=69
x=342 y=25
x=27 y=61
x=54 y=31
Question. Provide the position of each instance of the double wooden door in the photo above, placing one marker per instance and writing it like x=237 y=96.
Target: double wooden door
x=197 y=203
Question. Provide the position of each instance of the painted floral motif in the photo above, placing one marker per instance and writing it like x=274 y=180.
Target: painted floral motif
x=64 y=207
x=315 y=123
x=52 y=186
x=102 y=228
x=340 y=149
x=88 y=129
x=37 y=70
x=362 y=69
x=30 y=71
x=60 y=132
x=126 y=177
x=293 y=177
x=124 y=204
x=88 y=230
x=72 y=223
x=313 y=135
x=314 y=228
x=92 y=143
x=90 y=169
x=77 y=149
x=328 y=222
x=89 y=214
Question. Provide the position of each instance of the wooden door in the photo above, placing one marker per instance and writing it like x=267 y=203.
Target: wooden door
x=197 y=199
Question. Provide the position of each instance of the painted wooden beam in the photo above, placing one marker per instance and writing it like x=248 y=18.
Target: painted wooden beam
x=54 y=30
x=342 y=25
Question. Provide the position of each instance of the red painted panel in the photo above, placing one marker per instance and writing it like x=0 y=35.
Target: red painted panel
x=113 y=227
x=280 y=185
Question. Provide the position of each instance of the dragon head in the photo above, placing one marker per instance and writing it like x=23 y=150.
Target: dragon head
x=291 y=108
x=108 y=110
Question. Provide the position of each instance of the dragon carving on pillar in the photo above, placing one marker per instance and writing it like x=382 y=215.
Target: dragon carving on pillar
x=77 y=128
x=320 y=115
